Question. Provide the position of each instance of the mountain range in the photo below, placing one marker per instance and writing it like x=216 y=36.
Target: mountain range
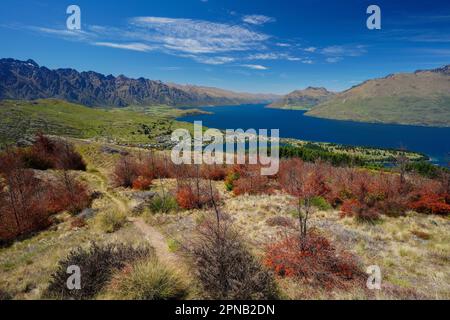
x=418 y=98
x=26 y=80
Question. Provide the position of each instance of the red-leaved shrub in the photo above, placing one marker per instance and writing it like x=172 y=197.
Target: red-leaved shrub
x=126 y=172
x=196 y=195
x=138 y=173
x=314 y=260
x=66 y=194
x=46 y=153
x=365 y=194
x=142 y=183
x=26 y=202
x=213 y=172
x=247 y=179
x=432 y=204
x=252 y=185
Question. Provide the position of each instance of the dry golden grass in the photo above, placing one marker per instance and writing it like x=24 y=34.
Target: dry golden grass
x=413 y=252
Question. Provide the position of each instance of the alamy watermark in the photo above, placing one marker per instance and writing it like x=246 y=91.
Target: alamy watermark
x=74 y=281
x=374 y=20
x=73 y=22
x=229 y=147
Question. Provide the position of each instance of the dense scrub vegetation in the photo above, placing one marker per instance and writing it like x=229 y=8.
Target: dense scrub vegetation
x=27 y=200
x=139 y=172
x=311 y=153
x=362 y=193
x=365 y=194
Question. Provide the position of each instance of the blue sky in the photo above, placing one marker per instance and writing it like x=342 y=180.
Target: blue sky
x=243 y=45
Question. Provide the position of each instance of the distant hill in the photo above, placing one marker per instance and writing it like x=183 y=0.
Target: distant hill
x=303 y=99
x=419 y=98
x=216 y=94
x=26 y=80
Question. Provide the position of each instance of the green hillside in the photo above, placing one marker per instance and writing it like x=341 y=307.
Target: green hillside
x=19 y=119
x=419 y=98
x=401 y=110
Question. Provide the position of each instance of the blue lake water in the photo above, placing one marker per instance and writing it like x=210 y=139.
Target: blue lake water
x=432 y=141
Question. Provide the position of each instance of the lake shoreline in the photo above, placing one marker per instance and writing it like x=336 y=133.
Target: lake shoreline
x=294 y=124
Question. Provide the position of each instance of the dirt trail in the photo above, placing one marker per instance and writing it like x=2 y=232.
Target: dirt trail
x=157 y=241
x=121 y=205
x=151 y=234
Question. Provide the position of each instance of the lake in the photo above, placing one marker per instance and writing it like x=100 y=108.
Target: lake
x=432 y=141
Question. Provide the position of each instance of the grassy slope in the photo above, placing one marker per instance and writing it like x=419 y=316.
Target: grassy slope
x=22 y=118
x=429 y=111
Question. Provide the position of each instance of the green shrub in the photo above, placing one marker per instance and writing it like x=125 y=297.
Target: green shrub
x=166 y=204
x=230 y=179
x=317 y=202
x=425 y=168
x=97 y=265
x=111 y=221
x=173 y=245
x=320 y=203
x=148 y=280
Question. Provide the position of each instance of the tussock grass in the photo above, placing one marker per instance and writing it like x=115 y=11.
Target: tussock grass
x=147 y=280
x=110 y=221
x=163 y=204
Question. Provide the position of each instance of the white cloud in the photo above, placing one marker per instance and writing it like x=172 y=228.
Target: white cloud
x=78 y=35
x=257 y=19
x=263 y=56
x=349 y=51
x=338 y=52
x=310 y=49
x=213 y=60
x=333 y=59
x=203 y=41
x=254 y=66
x=272 y=56
x=126 y=46
x=307 y=61
x=197 y=36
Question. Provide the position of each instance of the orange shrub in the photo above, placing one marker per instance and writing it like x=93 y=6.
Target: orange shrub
x=66 y=194
x=193 y=195
x=314 y=260
x=252 y=185
x=125 y=172
x=52 y=154
x=247 y=179
x=22 y=205
x=142 y=183
x=27 y=202
x=213 y=172
x=138 y=173
x=432 y=204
